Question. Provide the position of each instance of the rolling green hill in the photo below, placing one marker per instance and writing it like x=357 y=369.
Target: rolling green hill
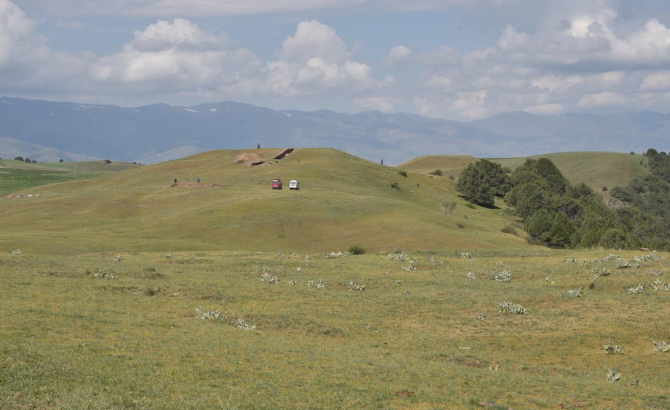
x=343 y=200
x=596 y=169
x=448 y=164
x=19 y=175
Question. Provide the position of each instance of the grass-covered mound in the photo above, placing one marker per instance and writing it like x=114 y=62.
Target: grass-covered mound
x=343 y=200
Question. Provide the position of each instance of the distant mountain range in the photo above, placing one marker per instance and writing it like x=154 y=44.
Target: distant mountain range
x=160 y=132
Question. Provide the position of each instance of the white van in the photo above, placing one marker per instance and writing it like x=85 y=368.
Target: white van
x=294 y=184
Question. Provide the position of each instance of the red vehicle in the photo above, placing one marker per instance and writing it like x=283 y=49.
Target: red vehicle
x=276 y=184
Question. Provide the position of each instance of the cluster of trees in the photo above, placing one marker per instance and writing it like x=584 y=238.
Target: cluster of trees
x=28 y=160
x=558 y=214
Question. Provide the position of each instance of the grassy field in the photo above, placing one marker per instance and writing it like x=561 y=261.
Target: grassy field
x=447 y=164
x=120 y=331
x=596 y=169
x=102 y=279
x=17 y=175
x=343 y=200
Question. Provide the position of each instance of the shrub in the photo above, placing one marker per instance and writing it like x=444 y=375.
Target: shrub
x=512 y=308
x=437 y=172
x=356 y=249
x=470 y=206
x=451 y=177
x=609 y=348
x=604 y=189
x=395 y=186
x=509 y=229
x=503 y=276
x=27 y=160
x=60 y=160
x=107 y=161
x=460 y=224
x=19 y=159
x=403 y=173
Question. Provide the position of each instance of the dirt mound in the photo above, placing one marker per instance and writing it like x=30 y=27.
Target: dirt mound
x=248 y=158
x=189 y=184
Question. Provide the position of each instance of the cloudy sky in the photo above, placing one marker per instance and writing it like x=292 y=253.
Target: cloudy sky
x=455 y=59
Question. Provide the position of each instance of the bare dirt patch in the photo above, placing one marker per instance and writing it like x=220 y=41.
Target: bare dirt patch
x=248 y=158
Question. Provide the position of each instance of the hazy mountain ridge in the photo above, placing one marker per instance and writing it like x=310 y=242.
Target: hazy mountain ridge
x=162 y=132
x=11 y=148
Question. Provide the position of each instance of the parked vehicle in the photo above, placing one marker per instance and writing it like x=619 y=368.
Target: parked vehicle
x=276 y=184
x=294 y=184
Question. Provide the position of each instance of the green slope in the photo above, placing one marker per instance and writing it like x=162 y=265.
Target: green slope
x=343 y=200
x=448 y=164
x=19 y=175
x=596 y=169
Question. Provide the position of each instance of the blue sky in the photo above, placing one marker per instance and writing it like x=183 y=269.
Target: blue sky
x=455 y=59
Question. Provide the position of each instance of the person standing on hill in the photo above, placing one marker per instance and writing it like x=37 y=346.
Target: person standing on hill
x=258 y=145
x=382 y=161
x=175 y=180
x=198 y=180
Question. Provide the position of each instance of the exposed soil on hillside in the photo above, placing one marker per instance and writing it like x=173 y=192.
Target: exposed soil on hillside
x=248 y=158
x=189 y=184
x=253 y=159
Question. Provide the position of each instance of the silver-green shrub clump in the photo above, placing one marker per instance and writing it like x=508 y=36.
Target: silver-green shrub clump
x=574 y=293
x=503 y=276
x=355 y=286
x=610 y=348
x=211 y=314
x=512 y=308
x=613 y=375
x=662 y=347
x=316 y=285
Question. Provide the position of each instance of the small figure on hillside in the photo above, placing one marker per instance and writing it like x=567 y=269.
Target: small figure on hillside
x=382 y=161
x=198 y=179
x=175 y=180
x=258 y=145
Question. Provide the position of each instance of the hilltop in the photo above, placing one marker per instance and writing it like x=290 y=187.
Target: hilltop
x=343 y=200
x=595 y=169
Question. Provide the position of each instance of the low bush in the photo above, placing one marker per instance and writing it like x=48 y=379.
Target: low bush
x=403 y=173
x=470 y=206
x=437 y=172
x=509 y=229
x=356 y=250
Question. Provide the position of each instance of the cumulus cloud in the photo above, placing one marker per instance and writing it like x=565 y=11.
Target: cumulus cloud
x=399 y=54
x=209 y=8
x=176 y=55
x=313 y=60
x=582 y=63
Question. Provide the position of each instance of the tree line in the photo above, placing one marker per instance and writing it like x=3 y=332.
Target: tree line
x=557 y=214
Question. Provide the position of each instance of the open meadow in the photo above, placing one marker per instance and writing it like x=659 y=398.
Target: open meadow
x=258 y=331
x=129 y=291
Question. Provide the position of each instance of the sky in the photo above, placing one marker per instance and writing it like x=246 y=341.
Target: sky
x=455 y=59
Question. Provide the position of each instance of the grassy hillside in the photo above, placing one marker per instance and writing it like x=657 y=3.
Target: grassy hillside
x=18 y=175
x=596 y=169
x=343 y=200
x=448 y=164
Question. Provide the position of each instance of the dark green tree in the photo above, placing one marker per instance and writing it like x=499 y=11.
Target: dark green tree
x=482 y=181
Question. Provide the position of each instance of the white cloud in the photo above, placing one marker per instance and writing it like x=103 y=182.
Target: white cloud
x=399 y=54
x=601 y=99
x=316 y=60
x=657 y=81
x=176 y=56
